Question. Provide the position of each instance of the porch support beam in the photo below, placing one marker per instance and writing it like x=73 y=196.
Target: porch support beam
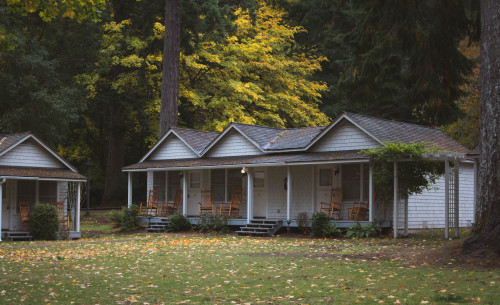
x=288 y=192
x=446 y=198
x=249 y=194
x=129 y=191
x=370 y=194
x=476 y=187
x=78 y=194
x=396 y=197
x=457 y=199
x=184 y=193
x=1 y=207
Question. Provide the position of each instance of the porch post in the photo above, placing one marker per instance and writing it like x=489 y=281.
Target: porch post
x=77 y=220
x=129 y=194
x=446 y=197
x=457 y=199
x=288 y=191
x=370 y=193
x=476 y=161
x=396 y=197
x=184 y=193
x=249 y=194
x=1 y=203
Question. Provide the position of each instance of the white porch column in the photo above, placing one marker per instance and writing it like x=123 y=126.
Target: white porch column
x=476 y=187
x=249 y=195
x=288 y=192
x=78 y=194
x=406 y=216
x=396 y=197
x=129 y=194
x=446 y=198
x=1 y=203
x=370 y=194
x=457 y=199
x=184 y=193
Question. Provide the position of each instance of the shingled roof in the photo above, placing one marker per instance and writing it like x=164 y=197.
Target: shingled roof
x=390 y=131
x=7 y=141
x=197 y=139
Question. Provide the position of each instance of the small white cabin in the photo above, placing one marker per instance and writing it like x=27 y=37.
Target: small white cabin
x=290 y=171
x=31 y=172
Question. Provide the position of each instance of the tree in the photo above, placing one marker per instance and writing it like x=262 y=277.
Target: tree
x=254 y=76
x=170 y=78
x=394 y=59
x=486 y=231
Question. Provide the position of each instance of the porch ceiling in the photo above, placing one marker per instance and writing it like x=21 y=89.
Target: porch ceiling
x=39 y=172
x=274 y=159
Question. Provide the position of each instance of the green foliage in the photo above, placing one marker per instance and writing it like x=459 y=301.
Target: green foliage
x=303 y=222
x=319 y=221
x=414 y=176
x=213 y=223
x=331 y=230
x=44 y=222
x=178 y=222
x=358 y=231
x=126 y=219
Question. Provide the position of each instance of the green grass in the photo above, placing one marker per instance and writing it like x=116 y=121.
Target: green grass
x=171 y=268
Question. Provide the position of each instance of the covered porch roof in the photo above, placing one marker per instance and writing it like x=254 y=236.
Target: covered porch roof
x=253 y=161
x=40 y=173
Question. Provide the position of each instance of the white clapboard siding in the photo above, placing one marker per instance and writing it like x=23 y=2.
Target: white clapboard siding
x=30 y=154
x=426 y=210
x=172 y=148
x=345 y=137
x=233 y=144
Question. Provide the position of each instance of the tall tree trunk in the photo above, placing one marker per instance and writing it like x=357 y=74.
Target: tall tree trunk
x=487 y=227
x=115 y=160
x=170 y=73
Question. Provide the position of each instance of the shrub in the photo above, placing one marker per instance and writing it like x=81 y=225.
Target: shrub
x=359 y=231
x=178 y=222
x=320 y=221
x=213 y=223
x=126 y=219
x=44 y=222
x=331 y=230
x=303 y=222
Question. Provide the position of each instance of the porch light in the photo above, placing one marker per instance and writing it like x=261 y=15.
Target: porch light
x=243 y=171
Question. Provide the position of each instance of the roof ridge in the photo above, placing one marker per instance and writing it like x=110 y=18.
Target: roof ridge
x=393 y=121
x=278 y=128
x=195 y=130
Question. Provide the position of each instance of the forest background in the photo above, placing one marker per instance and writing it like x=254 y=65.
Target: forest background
x=85 y=76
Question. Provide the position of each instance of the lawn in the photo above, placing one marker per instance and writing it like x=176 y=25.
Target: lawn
x=194 y=268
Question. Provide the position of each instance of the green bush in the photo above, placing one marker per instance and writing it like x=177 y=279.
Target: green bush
x=178 y=223
x=44 y=222
x=210 y=223
x=126 y=219
x=331 y=230
x=359 y=231
x=320 y=221
x=303 y=222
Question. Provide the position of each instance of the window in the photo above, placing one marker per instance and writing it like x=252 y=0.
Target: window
x=218 y=181
x=26 y=191
x=234 y=181
x=173 y=184
x=47 y=191
x=159 y=184
x=351 y=179
x=326 y=177
x=258 y=180
x=195 y=180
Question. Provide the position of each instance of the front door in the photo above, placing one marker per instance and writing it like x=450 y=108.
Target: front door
x=194 y=192
x=259 y=193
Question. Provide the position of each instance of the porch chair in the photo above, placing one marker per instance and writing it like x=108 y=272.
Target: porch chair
x=24 y=210
x=207 y=202
x=334 y=207
x=359 y=211
x=226 y=208
x=63 y=220
x=172 y=207
x=153 y=197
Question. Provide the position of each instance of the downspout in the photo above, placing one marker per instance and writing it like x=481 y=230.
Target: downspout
x=1 y=203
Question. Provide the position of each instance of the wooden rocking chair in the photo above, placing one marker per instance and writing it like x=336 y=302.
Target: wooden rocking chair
x=24 y=210
x=227 y=208
x=207 y=202
x=63 y=220
x=152 y=204
x=334 y=207
x=359 y=211
x=172 y=207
